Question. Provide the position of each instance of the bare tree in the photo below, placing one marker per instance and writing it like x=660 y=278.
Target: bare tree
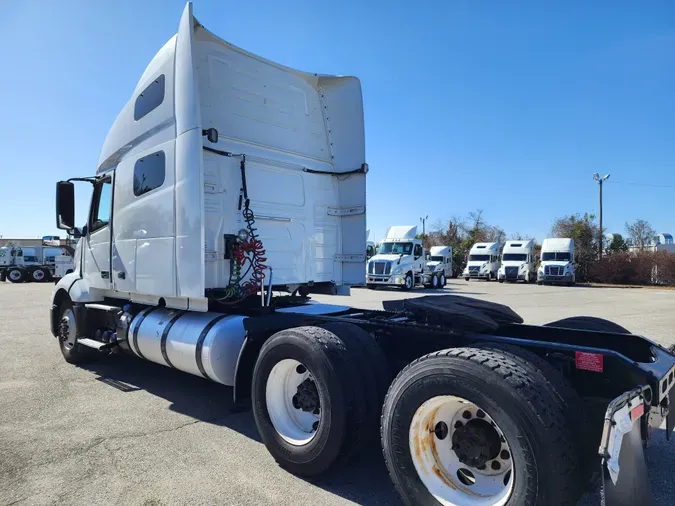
x=641 y=232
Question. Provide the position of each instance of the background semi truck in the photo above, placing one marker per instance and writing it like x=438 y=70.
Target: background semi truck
x=36 y=263
x=483 y=261
x=557 y=262
x=438 y=267
x=518 y=262
x=469 y=401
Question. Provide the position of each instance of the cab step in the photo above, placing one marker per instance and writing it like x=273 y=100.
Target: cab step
x=97 y=345
x=103 y=307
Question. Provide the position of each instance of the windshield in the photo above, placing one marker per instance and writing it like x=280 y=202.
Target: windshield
x=479 y=258
x=563 y=256
x=395 y=248
x=518 y=257
x=435 y=259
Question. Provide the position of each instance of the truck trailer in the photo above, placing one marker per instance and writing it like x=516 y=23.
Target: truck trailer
x=189 y=235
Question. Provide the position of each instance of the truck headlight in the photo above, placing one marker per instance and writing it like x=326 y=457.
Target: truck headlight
x=398 y=270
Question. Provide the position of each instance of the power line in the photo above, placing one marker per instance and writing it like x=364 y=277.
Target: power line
x=641 y=184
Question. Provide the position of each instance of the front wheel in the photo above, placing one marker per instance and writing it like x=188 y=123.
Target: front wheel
x=466 y=279
x=408 y=282
x=16 y=275
x=447 y=439
x=442 y=281
x=434 y=281
x=72 y=352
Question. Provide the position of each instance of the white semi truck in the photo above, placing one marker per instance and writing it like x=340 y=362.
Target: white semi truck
x=34 y=263
x=399 y=261
x=557 y=262
x=438 y=266
x=227 y=177
x=518 y=262
x=483 y=262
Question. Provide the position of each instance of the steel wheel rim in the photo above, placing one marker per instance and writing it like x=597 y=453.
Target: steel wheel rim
x=434 y=282
x=442 y=281
x=408 y=282
x=288 y=379
x=38 y=275
x=14 y=275
x=433 y=437
x=67 y=330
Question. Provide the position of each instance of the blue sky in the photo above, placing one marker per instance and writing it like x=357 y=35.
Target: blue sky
x=505 y=106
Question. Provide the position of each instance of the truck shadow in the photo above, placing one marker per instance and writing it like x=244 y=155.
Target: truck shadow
x=364 y=481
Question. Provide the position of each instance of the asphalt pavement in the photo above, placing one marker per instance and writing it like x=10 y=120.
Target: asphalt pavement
x=123 y=431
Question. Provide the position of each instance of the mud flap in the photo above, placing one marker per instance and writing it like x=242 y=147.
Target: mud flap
x=624 y=471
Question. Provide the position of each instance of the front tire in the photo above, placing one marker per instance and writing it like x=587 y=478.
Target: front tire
x=443 y=281
x=408 y=282
x=434 y=281
x=72 y=352
x=466 y=279
x=435 y=461
x=16 y=275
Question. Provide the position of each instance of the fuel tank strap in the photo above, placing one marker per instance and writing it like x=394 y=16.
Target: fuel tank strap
x=134 y=337
x=165 y=335
x=200 y=344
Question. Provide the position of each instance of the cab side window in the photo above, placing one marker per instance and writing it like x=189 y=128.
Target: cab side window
x=101 y=205
x=418 y=250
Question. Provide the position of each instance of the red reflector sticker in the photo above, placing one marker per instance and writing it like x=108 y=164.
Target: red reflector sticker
x=589 y=361
x=637 y=412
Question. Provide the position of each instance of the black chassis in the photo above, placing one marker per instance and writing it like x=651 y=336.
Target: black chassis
x=407 y=330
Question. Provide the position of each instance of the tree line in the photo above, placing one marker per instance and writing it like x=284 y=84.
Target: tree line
x=616 y=266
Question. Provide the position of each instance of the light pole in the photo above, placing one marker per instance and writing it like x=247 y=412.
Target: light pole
x=424 y=225
x=599 y=179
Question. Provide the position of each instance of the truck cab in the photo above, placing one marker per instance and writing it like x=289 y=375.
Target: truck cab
x=518 y=262
x=438 y=266
x=399 y=261
x=557 y=262
x=483 y=262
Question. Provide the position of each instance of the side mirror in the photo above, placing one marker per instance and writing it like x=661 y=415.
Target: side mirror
x=65 y=205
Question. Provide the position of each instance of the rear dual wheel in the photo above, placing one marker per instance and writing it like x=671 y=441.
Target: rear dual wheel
x=473 y=426
x=317 y=394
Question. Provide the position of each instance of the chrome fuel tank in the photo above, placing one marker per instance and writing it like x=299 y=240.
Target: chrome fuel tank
x=204 y=344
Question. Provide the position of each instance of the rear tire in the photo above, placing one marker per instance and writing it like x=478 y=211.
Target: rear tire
x=39 y=275
x=341 y=400
x=16 y=275
x=589 y=323
x=531 y=422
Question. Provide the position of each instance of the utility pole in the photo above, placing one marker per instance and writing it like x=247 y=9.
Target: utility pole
x=599 y=179
x=424 y=226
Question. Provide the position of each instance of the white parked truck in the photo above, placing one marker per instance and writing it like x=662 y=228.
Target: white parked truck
x=38 y=263
x=438 y=267
x=227 y=177
x=557 y=262
x=483 y=262
x=399 y=260
x=518 y=262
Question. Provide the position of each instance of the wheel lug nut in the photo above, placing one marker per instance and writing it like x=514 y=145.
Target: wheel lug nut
x=466 y=415
x=441 y=430
x=505 y=455
x=496 y=465
x=458 y=424
x=480 y=413
x=301 y=369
